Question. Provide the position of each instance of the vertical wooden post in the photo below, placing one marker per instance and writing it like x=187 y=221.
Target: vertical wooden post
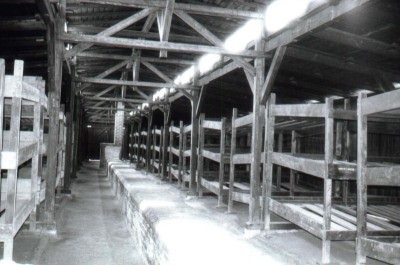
x=165 y=143
x=76 y=124
x=160 y=152
x=180 y=163
x=326 y=243
x=269 y=138
x=154 y=149
x=184 y=169
x=362 y=147
x=193 y=143
x=292 y=172
x=254 y=206
x=200 y=159
x=55 y=61
x=222 y=164
x=69 y=134
x=14 y=145
x=148 y=142
x=231 y=162
x=138 y=142
x=2 y=87
x=346 y=153
x=279 y=168
x=170 y=159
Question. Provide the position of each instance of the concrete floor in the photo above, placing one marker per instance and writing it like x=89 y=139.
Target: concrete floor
x=91 y=230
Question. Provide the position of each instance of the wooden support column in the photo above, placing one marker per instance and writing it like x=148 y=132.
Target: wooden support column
x=293 y=172
x=362 y=147
x=346 y=153
x=200 y=159
x=181 y=158
x=222 y=164
x=269 y=137
x=231 y=163
x=279 y=168
x=69 y=145
x=193 y=142
x=77 y=129
x=154 y=150
x=171 y=157
x=139 y=129
x=55 y=60
x=326 y=225
x=148 y=142
x=164 y=146
x=254 y=206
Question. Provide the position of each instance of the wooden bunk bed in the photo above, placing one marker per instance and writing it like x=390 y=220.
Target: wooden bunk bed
x=384 y=246
x=211 y=180
x=240 y=155
x=19 y=144
x=175 y=165
x=316 y=215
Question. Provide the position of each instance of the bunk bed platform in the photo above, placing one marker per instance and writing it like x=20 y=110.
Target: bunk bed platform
x=309 y=216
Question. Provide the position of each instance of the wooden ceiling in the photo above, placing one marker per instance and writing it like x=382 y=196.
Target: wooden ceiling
x=357 y=51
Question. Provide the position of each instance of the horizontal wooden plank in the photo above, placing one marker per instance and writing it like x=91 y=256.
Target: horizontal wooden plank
x=381 y=103
x=299 y=110
x=212 y=125
x=309 y=166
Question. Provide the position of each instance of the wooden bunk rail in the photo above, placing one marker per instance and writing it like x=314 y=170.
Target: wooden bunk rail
x=27 y=91
x=243 y=121
x=215 y=156
x=298 y=110
x=212 y=125
x=309 y=166
x=384 y=251
x=187 y=129
x=187 y=153
x=245 y=158
x=383 y=175
x=175 y=130
x=174 y=151
x=381 y=103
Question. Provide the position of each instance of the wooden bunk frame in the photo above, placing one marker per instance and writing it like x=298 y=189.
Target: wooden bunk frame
x=384 y=247
x=238 y=158
x=18 y=147
x=217 y=154
x=175 y=170
x=314 y=215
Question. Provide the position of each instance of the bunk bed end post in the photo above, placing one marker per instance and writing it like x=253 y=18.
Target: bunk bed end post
x=180 y=176
x=231 y=162
x=268 y=167
x=170 y=158
x=329 y=134
x=222 y=163
x=362 y=142
x=200 y=160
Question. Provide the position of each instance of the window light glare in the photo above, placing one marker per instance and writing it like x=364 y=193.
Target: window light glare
x=207 y=62
x=396 y=85
x=249 y=32
x=89 y=126
x=281 y=13
x=185 y=77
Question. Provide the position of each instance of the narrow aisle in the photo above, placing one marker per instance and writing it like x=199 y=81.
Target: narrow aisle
x=91 y=230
